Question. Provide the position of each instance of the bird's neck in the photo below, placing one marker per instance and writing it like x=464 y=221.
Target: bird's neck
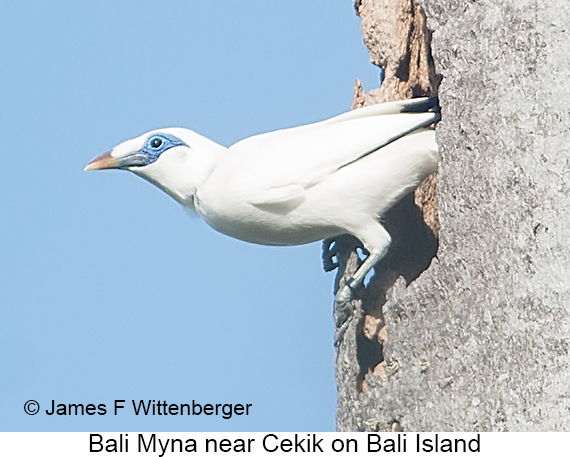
x=187 y=169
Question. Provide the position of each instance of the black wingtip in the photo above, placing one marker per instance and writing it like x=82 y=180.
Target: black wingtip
x=422 y=105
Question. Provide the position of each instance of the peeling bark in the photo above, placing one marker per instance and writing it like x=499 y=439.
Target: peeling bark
x=479 y=339
x=395 y=32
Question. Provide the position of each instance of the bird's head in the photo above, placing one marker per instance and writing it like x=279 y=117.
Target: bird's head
x=142 y=151
x=174 y=159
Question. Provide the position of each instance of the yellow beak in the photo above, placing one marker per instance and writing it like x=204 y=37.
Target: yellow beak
x=103 y=162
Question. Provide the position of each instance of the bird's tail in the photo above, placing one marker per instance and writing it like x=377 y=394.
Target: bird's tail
x=412 y=105
x=420 y=105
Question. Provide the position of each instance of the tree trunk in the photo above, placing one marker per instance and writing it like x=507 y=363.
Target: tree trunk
x=477 y=337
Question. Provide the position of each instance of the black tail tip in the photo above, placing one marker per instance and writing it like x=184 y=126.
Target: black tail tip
x=423 y=105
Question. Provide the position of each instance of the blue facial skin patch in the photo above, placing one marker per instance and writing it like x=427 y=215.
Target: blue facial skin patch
x=154 y=145
x=157 y=143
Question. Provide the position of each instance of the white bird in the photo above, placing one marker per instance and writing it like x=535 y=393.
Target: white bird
x=296 y=185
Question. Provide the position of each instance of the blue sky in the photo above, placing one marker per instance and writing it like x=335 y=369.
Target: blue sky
x=108 y=289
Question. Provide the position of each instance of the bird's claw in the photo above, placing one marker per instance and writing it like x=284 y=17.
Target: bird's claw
x=344 y=295
x=340 y=244
x=343 y=312
x=330 y=250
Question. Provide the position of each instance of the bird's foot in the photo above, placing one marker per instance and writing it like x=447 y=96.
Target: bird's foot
x=343 y=312
x=344 y=295
x=330 y=250
x=333 y=246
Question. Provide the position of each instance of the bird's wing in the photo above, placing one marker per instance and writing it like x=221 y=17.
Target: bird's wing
x=278 y=167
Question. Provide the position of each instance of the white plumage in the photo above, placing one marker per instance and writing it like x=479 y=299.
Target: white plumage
x=297 y=185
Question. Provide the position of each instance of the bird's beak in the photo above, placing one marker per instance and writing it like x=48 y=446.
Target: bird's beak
x=103 y=162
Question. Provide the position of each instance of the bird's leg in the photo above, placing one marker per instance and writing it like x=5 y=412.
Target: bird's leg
x=358 y=278
x=344 y=306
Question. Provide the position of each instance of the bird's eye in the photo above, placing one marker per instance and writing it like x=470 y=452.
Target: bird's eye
x=156 y=143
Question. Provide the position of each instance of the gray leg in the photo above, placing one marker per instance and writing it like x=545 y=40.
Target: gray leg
x=376 y=240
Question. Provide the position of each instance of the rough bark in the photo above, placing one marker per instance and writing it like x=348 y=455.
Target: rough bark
x=479 y=340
